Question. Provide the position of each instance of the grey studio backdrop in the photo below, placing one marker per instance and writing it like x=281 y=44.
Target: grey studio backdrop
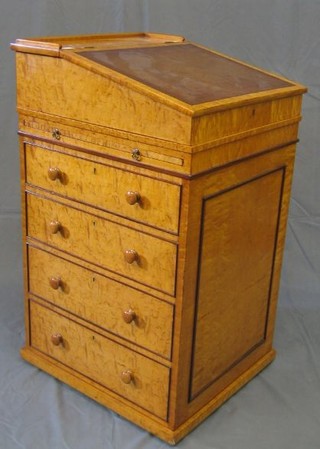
x=280 y=408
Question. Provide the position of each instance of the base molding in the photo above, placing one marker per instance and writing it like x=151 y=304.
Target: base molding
x=124 y=408
x=222 y=397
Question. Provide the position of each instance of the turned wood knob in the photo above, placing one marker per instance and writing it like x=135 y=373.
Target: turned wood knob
x=131 y=255
x=55 y=282
x=129 y=315
x=55 y=226
x=126 y=376
x=56 y=339
x=54 y=173
x=132 y=197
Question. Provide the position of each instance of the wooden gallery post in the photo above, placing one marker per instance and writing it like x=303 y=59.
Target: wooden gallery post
x=155 y=179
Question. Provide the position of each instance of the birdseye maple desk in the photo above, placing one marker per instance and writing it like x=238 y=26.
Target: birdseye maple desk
x=155 y=180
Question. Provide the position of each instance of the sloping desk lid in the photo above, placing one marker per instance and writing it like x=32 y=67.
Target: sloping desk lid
x=183 y=74
x=149 y=85
x=186 y=72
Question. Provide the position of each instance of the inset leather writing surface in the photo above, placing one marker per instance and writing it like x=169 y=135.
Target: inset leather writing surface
x=186 y=72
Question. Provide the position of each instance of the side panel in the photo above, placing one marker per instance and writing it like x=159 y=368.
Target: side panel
x=234 y=245
x=240 y=120
x=239 y=231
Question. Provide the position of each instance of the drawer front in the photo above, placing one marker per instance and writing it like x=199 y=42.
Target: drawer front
x=115 y=307
x=106 y=187
x=125 y=372
x=104 y=243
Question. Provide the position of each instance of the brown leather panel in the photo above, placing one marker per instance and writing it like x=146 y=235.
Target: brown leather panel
x=186 y=72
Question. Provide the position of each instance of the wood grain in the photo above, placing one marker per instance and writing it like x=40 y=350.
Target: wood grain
x=129 y=410
x=52 y=45
x=231 y=150
x=105 y=187
x=100 y=359
x=210 y=185
x=239 y=229
x=155 y=217
x=107 y=103
x=104 y=243
x=228 y=122
x=117 y=102
x=102 y=301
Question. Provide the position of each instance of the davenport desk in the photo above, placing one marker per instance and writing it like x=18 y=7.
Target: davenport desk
x=155 y=180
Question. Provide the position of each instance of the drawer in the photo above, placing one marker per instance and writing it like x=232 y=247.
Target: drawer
x=155 y=202
x=143 y=258
x=125 y=372
x=122 y=310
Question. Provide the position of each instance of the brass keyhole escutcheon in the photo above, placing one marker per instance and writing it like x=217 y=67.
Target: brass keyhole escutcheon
x=56 y=134
x=136 y=155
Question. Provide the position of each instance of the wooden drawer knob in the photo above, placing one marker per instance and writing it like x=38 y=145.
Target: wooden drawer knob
x=54 y=173
x=132 y=197
x=131 y=255
x=129 y=316
x=126 y=376
x=56 y=339
x=55 y=226
x=55 y=282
